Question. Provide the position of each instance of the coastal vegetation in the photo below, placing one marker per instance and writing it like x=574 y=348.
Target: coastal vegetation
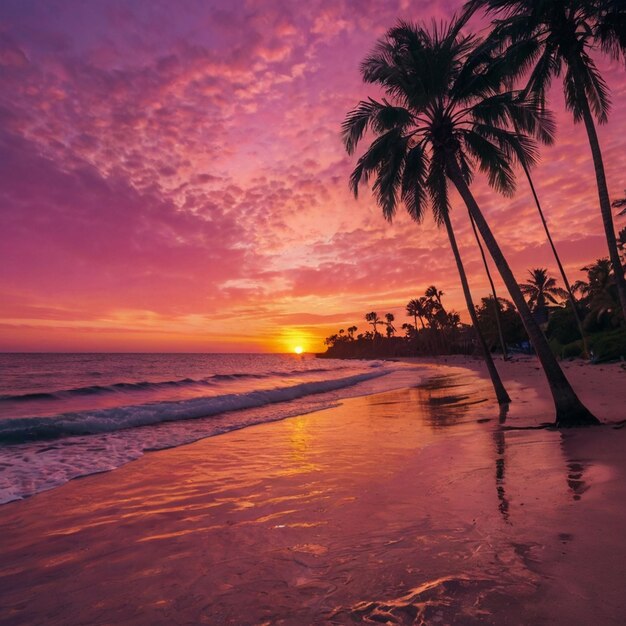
x=437 y=331
x=452 y=109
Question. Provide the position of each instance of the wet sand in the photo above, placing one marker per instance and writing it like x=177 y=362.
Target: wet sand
x=417 y=506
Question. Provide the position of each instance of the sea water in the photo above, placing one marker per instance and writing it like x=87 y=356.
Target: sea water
x=69 y=415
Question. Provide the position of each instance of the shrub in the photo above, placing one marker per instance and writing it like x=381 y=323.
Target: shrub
x=573 y=349
x=562 y=326
x=608 y=346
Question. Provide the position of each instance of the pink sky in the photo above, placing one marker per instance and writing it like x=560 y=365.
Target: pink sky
x=172 y=178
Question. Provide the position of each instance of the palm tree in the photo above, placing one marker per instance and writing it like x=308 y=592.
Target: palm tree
x=413 y=309
x=417 y=308
x=399 y=161
x=435 y=295
x=445 y=116
x=389 y=317
x=437 y=313
x=599 y=292
x=541 y=289
x=374 y=320
x=454 y=319
x=558 y=36
x=351 y=331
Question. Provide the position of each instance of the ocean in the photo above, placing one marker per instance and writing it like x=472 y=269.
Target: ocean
x=68 y=415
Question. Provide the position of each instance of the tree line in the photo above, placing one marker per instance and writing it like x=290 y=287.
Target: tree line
x=436 y=330
x=457 y=105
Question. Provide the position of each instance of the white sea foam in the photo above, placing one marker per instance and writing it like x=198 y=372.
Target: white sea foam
x=94 y=441
x=118 y=418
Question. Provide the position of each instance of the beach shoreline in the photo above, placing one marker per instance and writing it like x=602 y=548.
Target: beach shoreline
x=413 y=504
x=590 y=381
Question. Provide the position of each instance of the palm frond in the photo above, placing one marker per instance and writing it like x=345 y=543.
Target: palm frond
x=584 y=81
x=388 y=183
x=437 y=185
x=491 y=160
x=610 y=28
x=413 y=186
x=515 y=146
x=378 y=156
x=380 y=117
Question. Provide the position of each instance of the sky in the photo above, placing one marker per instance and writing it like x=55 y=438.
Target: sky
x=172 y=178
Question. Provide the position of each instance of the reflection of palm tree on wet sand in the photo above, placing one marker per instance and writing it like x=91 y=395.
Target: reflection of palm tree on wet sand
x=575 y=469
x=499 y=438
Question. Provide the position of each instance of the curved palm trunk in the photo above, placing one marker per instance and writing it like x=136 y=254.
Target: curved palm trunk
x=496 y=307
x=605 y=204
x=501 y=394
x=570 y=411
x=570 y=295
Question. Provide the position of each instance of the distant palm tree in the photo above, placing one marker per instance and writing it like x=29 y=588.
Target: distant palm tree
x=454 y=319
x=375 y=321
x=436 y=312
x=599 y=291
x=446 y=116
x=541 y=289
x=557 y=35
x=408 y=329
x=415 y=308
x=389 y=317
x=435 y=294
x=351 y=331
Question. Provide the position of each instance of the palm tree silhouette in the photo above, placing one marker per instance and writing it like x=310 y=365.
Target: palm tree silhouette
x=541 y=289
x=399 y=157
x=435 y=294
x=374 y=320
x=415 y=308
x=389 y=317
x=598 y=290
x=408 y=329
x=446 y=116
x=557 y=36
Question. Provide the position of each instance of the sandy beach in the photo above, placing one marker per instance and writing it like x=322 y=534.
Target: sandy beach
x=424 y=505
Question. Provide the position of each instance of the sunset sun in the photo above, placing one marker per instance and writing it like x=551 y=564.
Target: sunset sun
x=298 y=350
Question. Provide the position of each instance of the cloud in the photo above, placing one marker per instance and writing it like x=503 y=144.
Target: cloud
x=183 y=175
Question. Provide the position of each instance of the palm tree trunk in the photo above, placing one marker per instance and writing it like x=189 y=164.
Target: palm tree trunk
x=570 y=295
x=605 y=203
x=570 y=411
x=501 y=394
x=496 y=306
